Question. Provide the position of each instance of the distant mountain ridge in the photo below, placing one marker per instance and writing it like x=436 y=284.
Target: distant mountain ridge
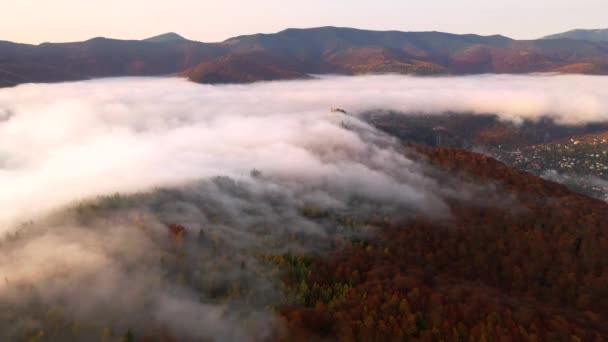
x=296 y=53
x=597 y=35
x=166 y=37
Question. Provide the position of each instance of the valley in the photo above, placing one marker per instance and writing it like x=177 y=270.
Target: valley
x=575 y=155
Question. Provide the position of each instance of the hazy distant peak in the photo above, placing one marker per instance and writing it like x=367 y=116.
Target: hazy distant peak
x=597 y=35
x=96 y=39
x=166 y=37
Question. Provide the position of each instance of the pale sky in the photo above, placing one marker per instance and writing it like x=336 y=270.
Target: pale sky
x=36 y=21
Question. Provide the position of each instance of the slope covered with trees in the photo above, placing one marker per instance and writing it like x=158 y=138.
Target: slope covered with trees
x=537 y=271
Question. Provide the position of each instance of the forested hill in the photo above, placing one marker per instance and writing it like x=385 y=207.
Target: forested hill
x=538 y=273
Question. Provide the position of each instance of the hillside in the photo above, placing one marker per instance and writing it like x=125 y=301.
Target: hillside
x=244 y=68
x=352 y=51
x=309 y=51
x=487 y=274
x=100 y=57
x=600 y=35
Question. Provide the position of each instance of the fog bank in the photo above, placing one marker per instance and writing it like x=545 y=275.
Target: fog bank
x=67 y=141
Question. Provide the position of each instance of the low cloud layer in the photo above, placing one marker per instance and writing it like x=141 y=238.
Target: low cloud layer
x=68 y=141
x=238 y=166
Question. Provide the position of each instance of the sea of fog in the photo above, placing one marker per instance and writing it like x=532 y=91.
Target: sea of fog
x=163 y=142
x=64 y=142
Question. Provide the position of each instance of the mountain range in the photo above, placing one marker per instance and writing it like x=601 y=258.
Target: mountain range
x=298 y=53
x=600 y=35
